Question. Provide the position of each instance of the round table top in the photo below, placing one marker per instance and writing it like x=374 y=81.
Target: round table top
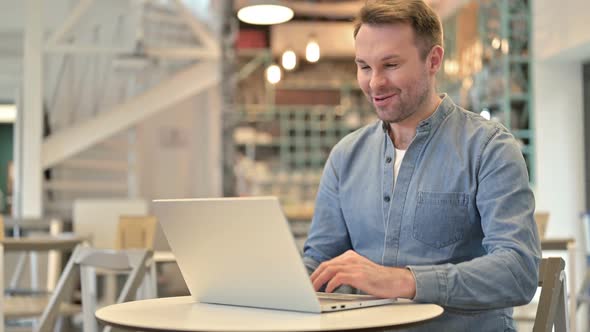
x=184 y=314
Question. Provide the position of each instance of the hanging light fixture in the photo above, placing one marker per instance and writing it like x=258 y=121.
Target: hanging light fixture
x=289 y=60
x=265 y=12
x=312 y=50
x=273 y=74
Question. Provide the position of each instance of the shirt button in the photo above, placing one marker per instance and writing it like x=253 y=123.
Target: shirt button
x=387 y=199
x=388 y=160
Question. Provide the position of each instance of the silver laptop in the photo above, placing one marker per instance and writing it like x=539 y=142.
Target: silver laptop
x=240 y=251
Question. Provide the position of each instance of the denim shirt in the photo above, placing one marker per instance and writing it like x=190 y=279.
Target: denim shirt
x=460 y=216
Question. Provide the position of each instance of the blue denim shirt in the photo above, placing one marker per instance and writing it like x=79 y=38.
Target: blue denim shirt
x=460 y=216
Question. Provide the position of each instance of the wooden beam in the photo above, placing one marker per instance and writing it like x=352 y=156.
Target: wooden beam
x=180 y=86
x=73 y=18
x=198 y=28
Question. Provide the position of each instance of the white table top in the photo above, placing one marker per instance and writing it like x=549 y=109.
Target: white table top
x=183 y=314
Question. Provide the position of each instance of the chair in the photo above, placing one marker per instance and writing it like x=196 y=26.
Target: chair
x=30 y=303
x=36 y=227
x=552 y=309
x=138 y=232
x=84 y=261
x=542 y=219
x=132 y=232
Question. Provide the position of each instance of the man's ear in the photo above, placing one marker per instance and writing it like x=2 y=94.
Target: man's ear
x=435 y=58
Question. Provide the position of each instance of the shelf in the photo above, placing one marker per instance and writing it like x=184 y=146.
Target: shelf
x=311 y=85
x=522 y=133
x=252 y=52
x=267 y=145
x=519 y=59
x=519 y=97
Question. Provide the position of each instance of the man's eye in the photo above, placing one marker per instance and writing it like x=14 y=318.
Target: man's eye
x=365 y=67
x=392 y=65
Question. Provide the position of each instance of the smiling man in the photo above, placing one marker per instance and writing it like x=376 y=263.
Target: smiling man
x=431 y=202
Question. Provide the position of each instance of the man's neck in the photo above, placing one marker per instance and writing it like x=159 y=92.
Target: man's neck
x=402 y=133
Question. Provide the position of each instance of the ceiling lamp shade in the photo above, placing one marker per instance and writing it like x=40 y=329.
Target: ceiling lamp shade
x=289 y=60
x=266 y=12
x=312 y=51
x=273 y=74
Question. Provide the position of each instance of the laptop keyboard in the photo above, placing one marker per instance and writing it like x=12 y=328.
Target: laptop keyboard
x=344 y=297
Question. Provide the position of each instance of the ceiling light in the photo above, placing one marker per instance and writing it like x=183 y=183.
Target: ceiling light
x=496 y=43
x=289 y=60
x=7 y=113
x=451 y=67
x=265 y=12
x=312 y=51
x=505 y=46
x=486 y=114
x=273 y=74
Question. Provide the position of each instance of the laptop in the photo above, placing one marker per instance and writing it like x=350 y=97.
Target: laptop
x=240 y=251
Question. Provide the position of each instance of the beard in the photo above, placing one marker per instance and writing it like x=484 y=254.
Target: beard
x=408 y=102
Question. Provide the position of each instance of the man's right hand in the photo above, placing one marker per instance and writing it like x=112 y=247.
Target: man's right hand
x=359 y=272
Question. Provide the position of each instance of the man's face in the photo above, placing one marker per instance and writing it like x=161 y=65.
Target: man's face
x=390 y=70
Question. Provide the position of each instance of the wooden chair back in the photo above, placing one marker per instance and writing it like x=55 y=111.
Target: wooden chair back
x=552 y=309
x=136 y=232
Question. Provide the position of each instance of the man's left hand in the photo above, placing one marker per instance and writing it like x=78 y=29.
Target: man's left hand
x=359 y=272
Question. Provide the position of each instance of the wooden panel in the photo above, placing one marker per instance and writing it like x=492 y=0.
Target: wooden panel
x=136 y=232
x=307 y=97
x=252 y=38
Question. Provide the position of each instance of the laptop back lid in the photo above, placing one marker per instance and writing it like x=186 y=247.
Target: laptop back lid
x=237 y=251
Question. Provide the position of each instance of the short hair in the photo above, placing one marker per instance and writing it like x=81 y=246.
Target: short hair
x=425 y=22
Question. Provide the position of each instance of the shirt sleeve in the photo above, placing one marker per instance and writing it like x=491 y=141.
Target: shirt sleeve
x=328 y=235
x=508 y=274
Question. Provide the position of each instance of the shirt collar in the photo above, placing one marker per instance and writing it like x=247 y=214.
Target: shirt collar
x=441 y=112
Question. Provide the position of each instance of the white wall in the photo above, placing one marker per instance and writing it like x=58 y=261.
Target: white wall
x=180 y=150
x=560 y=144
x=561 y=44
x=561 y=28
x=559 y=50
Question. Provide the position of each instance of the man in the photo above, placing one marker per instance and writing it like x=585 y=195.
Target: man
x=430 y=203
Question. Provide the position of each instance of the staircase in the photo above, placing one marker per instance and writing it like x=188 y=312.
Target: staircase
x=107 y=170
x=114 y=61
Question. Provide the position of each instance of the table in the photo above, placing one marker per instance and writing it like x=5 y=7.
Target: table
x=42 y=243
x=32 y=224
x=183 y=314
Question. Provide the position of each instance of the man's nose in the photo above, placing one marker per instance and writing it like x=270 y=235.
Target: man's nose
x=377 y=81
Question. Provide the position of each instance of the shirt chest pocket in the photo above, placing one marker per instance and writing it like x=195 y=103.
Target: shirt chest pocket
x=440 y=219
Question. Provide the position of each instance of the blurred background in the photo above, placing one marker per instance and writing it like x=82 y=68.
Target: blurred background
x=106 y=105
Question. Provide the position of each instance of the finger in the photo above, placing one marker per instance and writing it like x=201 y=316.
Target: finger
x=328 y=274
x=318 y=271
x=348 y=257
x=322 y=267
x=339 y=279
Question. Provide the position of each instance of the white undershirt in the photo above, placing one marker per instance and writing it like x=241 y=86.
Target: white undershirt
x=399 y=156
